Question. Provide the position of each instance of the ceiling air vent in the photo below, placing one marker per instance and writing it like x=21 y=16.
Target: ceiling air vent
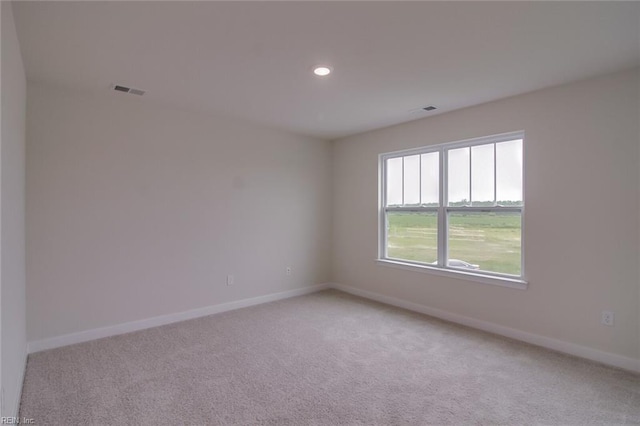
x=422 y=109
x=125 y=89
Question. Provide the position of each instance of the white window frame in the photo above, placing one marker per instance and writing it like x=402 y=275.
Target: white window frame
x=443 y=210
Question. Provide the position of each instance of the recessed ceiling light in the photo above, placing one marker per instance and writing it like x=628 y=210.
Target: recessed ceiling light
x=322 y=71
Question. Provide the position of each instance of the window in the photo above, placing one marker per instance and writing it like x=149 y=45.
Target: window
x=455 y=207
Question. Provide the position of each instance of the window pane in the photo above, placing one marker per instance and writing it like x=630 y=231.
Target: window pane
x=458 y=175
x=412 y=180
x=412 y=236
x=509 y=173
x=486 y=241
x=430 y=179
x=482 y=177
x=394 y=181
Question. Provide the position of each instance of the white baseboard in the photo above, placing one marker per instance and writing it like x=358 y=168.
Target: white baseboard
x=535 y=339
x=128 y=327
x=13 y=401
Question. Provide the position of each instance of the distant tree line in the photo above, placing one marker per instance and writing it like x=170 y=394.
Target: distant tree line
x=502 y=203
x=463 y=203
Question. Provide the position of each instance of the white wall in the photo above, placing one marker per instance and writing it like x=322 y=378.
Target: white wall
x=582 y=213
x=136 y=211
x=12 y=210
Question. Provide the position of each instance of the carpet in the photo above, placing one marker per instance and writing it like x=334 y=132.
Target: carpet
x=327 y=358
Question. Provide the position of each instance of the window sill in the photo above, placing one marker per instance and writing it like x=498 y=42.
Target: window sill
x=463 y=275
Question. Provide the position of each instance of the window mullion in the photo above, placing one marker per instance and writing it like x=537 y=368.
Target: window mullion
x=403 y=181
x=442 y=217
x=420 y=179
x=470 y=176
x=382 y=249
x=495 y=177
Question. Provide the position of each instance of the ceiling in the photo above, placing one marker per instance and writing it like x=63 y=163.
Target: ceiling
x=253 y=60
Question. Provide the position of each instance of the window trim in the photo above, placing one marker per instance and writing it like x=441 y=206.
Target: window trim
x=508 y=280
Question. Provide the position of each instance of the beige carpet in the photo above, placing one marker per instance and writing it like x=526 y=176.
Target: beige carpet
x=323 y=359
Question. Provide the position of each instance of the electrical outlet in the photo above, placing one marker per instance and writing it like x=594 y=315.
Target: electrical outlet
x=288 y=270
x=230 y=280
x=607 y=318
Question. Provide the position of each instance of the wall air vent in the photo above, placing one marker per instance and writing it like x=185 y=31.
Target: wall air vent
x=125 y=89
